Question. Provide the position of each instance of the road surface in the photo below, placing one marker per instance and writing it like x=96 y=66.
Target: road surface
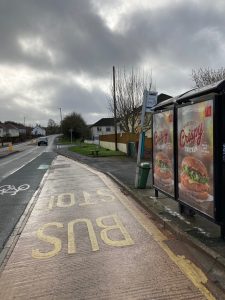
x=20 y=177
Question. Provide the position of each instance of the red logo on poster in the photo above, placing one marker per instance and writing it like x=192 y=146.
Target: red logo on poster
x=208 y=111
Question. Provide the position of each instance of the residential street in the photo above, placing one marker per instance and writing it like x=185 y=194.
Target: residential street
x=85 y=239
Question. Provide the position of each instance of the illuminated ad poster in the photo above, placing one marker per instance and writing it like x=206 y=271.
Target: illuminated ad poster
x=163 y=161
x=195 y=156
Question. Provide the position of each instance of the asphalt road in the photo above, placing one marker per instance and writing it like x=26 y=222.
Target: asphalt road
x=26 y=153
x=20 y=176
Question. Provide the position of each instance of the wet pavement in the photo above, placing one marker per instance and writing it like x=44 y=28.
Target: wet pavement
x=198 y=228
x=197 y=231
x=83 y=238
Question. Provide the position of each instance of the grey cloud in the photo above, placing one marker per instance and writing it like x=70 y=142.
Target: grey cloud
x=74 y=98
x=177 y=37
x=182 y=34
x=82 y=42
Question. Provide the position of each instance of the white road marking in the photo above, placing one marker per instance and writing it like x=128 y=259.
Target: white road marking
x=12 y=190
x=43 y=167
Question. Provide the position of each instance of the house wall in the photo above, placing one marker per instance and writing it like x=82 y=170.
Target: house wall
x=38 y=131
x=1 y=132
x=13 y=132
x=97 y=131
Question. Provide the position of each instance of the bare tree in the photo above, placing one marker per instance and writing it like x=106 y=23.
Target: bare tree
x=205 y=76
x=129 y=94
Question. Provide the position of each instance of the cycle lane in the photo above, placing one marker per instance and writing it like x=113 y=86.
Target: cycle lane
x=86 y=240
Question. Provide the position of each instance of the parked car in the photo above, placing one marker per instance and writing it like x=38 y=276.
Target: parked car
x=43 y=141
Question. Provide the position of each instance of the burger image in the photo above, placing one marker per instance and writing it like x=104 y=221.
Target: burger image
x=163 y=168
x=194 y=178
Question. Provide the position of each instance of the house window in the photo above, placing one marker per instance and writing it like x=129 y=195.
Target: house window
x=99 y=129
x=108 y=129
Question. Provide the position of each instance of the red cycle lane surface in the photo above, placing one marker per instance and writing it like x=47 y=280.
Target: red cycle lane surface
x=85 y=239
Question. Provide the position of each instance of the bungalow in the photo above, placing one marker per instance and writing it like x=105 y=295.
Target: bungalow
x=20 y=127
x=11 y=130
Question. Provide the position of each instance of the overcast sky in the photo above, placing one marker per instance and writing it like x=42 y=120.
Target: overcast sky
x=60 y=53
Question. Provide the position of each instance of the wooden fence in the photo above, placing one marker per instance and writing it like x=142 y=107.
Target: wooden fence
x=125 y=138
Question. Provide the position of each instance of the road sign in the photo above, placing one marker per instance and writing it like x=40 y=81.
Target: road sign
x=151 y=100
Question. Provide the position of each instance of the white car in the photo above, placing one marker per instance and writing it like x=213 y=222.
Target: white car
x=43 y=141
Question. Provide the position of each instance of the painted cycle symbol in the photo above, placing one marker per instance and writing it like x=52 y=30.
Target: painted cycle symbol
x=12 y=190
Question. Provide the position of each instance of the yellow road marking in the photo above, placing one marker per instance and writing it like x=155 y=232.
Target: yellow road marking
x=127 y=241
x=194 y=273
x=36 y=253
x=190 y=270
x=71 y=239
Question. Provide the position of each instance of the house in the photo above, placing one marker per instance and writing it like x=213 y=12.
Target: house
x=103 y=126
x=20 y=127
x=2 y=130
x=11 y=130
x=38 y=131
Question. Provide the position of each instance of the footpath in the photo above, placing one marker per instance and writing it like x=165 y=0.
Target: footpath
x=198 y=231
x=82 y=238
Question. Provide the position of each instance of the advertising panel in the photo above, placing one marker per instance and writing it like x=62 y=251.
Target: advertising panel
x=163 y=156
x=195 y=156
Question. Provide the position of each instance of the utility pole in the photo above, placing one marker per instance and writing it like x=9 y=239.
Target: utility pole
x=60 y=109
x=114 y=101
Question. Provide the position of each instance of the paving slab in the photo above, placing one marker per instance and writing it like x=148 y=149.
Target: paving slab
x=85 y=239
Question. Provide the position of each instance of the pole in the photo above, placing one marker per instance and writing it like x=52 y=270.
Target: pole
x=140 y=137
x=114 y=101
x=60 y=109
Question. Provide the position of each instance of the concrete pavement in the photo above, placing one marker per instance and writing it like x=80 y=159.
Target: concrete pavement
x=83 y=238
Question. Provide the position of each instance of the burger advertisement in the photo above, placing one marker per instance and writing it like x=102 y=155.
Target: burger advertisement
x=163 y=163
x=195 y=156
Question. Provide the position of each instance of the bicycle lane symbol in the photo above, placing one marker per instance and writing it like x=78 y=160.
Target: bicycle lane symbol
x=12 y=190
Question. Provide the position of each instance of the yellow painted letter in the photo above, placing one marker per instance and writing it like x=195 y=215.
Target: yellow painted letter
x=117 y=226
x=87 y=199
x=107 y=195
x=36 y=253
x=71 y=238
x=61 y=200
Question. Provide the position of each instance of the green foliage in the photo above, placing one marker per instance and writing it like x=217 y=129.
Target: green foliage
x=74 y=123
x=52 y=127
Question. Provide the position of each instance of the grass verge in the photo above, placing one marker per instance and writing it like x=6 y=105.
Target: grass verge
x=86 y=149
